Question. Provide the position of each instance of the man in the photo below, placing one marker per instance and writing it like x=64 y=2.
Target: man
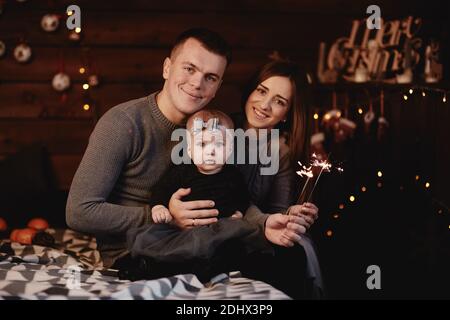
x=130 y=147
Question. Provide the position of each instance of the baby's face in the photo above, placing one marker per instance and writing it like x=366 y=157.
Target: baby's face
x=208 y=150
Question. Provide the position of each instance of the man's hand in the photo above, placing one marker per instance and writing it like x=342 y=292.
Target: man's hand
x=191 y=213
x=285 y=230
x=161 y=214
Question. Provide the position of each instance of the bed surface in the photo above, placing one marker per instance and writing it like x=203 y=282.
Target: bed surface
x=72 y=269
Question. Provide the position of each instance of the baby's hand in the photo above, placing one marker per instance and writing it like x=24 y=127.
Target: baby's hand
x=161 y=214
x=237 y=215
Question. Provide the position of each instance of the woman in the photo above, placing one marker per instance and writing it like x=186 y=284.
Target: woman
x=276 y=98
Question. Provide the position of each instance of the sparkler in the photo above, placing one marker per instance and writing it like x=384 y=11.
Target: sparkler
x=324 y=166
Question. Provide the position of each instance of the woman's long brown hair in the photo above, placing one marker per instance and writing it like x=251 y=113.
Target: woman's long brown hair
x=297 y=125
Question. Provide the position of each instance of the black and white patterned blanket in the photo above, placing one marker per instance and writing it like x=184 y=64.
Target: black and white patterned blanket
x=72 y=269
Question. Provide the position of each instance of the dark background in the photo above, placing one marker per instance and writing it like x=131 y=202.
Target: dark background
x=401 y=226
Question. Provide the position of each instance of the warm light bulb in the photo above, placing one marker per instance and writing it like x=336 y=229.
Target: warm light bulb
x=82 y=70
x=411 y=91
x=341 y=206
x=327 y=117
x=427 y=185
x=316 y=116
x=335 y=216
x=360 y=111
x=352 y=198
x=86 y=107
x=405 y=97
x=339 y=113
x=423 y=94
x=380 y=174
x=440 y=211
x=329 y=233
x=379 y=184
x=363 y=189
x=444 y=99
x=417 y=177
x=77 y=30
x=85 y=86
x=69 y=13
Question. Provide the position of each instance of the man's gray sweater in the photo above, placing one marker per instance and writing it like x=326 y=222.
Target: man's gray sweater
x=128 y=152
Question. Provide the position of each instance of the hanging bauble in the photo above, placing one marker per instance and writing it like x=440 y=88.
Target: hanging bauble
x=50 y=22
x=369 y=117
x=74 y=36
x=2 y=48
x=383 y=126
x=93 y=80
x=61 y=82
x=22 y=53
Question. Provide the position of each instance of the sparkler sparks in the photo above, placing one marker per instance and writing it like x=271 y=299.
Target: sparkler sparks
x=308 y=171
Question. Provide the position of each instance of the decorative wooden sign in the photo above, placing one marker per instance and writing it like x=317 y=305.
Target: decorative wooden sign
x=390 y=54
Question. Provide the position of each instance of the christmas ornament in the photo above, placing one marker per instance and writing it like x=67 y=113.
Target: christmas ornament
x=50 y=22
x=22 y=53
x=383 y=124
x=93 y=80
x=2 y=48
x=369 y=116
x=61 y=82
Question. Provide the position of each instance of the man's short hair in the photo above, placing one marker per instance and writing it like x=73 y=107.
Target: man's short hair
x=211 y=40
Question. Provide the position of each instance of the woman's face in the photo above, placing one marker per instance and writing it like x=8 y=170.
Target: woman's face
x=269 y=103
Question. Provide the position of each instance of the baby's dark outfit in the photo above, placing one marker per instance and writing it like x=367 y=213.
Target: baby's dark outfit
x=164 y=249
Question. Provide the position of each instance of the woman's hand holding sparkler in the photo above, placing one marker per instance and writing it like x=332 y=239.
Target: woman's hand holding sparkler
x=307 y=210
x=286 y=230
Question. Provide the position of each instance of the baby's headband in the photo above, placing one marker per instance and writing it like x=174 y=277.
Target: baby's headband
x=212 y=125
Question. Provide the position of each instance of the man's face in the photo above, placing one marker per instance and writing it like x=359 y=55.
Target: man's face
x=208 y=150
x=193 y=75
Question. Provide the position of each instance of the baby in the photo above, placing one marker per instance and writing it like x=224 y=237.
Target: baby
x=209 y=177
x=161 y=248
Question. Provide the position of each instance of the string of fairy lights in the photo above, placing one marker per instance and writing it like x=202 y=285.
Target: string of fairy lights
x=423 y=92
x=87 y=101
x=409 y=93
x=440 y=207
x=352 y=198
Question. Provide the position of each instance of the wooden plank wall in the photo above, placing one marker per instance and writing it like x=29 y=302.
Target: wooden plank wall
x=128 y=40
